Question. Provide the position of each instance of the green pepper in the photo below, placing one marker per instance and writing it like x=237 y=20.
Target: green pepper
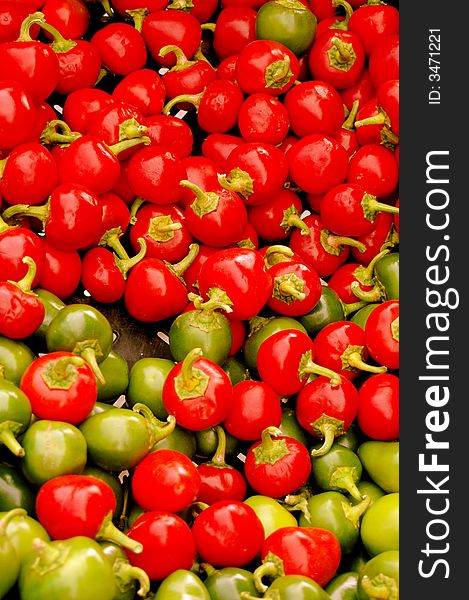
x=15 y=490
x=119 y=438
x=15 y=415
x=350 y=439
x=207 y=442
x=380 y=525
x=343 y=586
x=83 y=330
x=179 y=439
x=329 y=309
x=292 y=587
x=381 y=461
x=203 y=327
x=115 y=370
x=236 y=370
x=339 y=470
x=21 y=530
x=52 y=448
x=289 y=22
x=52 y=304
x=333 y=511
x=228 y=583
x=289 y=426
x=271 y=513
x=146 y=380
x=387 y=274
x=75 y=568
x=182 y=585
x=260 y=329
x=361 y=316
x=127 y=576
x=100 y=407
x=9 y=558
x=15 y=357
x=379 y=577
x=369 y=489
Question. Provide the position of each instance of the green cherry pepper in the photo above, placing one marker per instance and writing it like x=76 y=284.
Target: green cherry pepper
x=339 y=470
x=179 y=439
x=343 y=586
x=381 y=461
x=119 y=438
x=21 y=530
x=9 y=558
x=83 y=330
x=128 y=577
x=369 y=489
x=235 y=369
x=271 y=513
x=260 y=329
x=15 y=357
x=329 y=309
x=385 y=280
x=294 y=587
x=182 y=585
x=15 y=416
x=334 y=512
x=289 y=22
x=228 y=583
x=207 y=442
x=52 y=304
x=380 y=525
x=15 y=490
x=350 y=438
x=378 y=579
x=361 y=316
x=289 y=426
x=146 y=380
x=52 y=448
x=115 y=370
x=203 y=327
x=75 y=568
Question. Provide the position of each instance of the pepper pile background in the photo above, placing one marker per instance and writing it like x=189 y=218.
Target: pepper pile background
x=199 y=347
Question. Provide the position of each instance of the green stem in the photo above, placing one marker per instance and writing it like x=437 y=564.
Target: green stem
x=208 y=27
x=58 y=132
x=158 y=429
x=348 y=10
x=186 y=262
x=108 y=532
x=126 y=574
x=90 y=356
x=208 y=569
x=355 y=360
x=112 y=239
x=307 y=366
x=219 y=458
x=212 y=304
x=26 y=210
x=375 y=295
x=119 y=147
x=193 y=99
x=125 y=265
x=138 y=16
x=272 y=566
x=107 y=7
x=297 y=221
x=332 y=243
x=136 y=204
x=287 y=288
x=329 y=431
x=343 y=54
x=277 y=253
x=352 y=307
x=182 y=61
x=26 y=282
x=8 y=439
x=4 y=226
x=365 y=274
x=349 y=122
x=24 y=35
x=11 y=514
x=187 y=370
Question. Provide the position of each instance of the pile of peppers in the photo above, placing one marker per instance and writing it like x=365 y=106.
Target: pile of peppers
x=222 y=174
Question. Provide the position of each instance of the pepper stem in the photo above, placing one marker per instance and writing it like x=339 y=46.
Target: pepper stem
x=287 y=288
x=125 y=265
x=277 y=253
x=26 y=282
x=136 y=204
x=211 y=304
x=296 y=221
x=111 y=238
x=25 y=210
x=107 y=7
x=307 y=366
x=138 y=16
x=126 y=574
x=58 y=132
x=354 y=512
x=272 y=566
x=238 y=181
x=108 y=532
x=352 y=307
x=343 y=479
x=181 y=58
x=8 y=431
x=11 y=514
x=119 y=147
x=348 y=10
x=219 y=458
x=380 y=587
x=367 y=296
x=365 y=274
x=181 y=266
x=193 y=99
x=355 y=360
x=89 y=355
x=208 y=569
x=349 y=122
x=187 y=370
x=208 y=27
x=329 y=428
x=159 y=429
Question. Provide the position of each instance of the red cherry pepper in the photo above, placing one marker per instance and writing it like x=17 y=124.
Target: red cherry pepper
x=341 y=347
x=71 y=217
x=346 y=134
x=217 y=217
x=372 y=127
x=277 y=466
x=235 y=28
x=341 y=280
x=383 y=62
x=21 y=311
x=297 y=287
x=28 y=174
x=314 y=107
x=374 y=241
x=320 y=249
x=263 y=118
x=326 y=406
x=378 y=407
x=71 y=505
x=12 y=15
x=374 y=167
x=171 y=27
x=165 y=291
x=170 y=132
x=218 y=480
x=317 y=163
x=142 y=88
x=70 y=17
x=191 y=274
x=115 y=123
x=81 y=105
x=227 y=68
x=61 y=270
x=17 y=114
x=255 y=170
x=362 y=91
x=309 y=551
x=255 y=406
x=201 y=171
x=218 y=146
x=373 y=22
x=238 y=277
x=197 y=392
x=382 y=334
x=164 y=230
x=122 y=6
x=61 y=386
x=228 y=534
x=15 y=244
x=268 y=67
x=121 y=48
